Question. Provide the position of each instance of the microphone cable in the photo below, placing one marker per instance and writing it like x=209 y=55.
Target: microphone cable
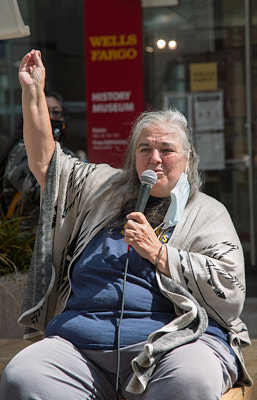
x=148 y=180
x=119 y=326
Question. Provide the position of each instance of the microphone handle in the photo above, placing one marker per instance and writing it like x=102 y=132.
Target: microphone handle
x=143 y=197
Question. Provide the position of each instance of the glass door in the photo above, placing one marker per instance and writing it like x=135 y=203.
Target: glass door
x=195 y=59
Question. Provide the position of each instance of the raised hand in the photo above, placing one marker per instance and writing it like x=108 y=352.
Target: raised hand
x=32 y=71
x=37 y=130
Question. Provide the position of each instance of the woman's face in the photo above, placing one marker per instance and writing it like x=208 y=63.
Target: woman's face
x=159 y=148
x=55 y=109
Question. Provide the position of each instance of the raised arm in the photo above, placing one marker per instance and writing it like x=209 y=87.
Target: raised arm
x=37 y=129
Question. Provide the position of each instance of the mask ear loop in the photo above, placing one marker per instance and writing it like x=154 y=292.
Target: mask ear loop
x=187 y=163
x=158 y=228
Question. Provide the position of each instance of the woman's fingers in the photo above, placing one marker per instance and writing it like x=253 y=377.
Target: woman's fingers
x=32 y=71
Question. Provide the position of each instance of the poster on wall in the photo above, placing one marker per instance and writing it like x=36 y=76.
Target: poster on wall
x=208 y=111
x=210 y=147
x=203 y=76
x=114 y=76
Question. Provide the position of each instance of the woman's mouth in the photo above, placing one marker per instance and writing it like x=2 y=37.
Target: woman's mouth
x=158 y=172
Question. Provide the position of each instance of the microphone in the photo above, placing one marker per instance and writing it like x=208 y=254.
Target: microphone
x=148 y=180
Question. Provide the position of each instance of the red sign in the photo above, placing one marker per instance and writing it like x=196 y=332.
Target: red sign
x=114 y=76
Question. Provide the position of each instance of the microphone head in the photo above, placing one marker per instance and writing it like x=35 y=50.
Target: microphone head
x=148 y=177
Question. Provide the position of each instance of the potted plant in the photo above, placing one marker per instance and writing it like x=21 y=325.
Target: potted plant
x=15 y=254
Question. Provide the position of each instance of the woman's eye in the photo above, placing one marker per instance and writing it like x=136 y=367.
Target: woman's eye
x=144 y=150
x=166 y=150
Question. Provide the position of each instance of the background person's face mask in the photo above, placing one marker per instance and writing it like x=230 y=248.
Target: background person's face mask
x=58 y=128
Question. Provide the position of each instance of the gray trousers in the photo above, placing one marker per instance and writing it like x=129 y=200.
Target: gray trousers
x=53 y=369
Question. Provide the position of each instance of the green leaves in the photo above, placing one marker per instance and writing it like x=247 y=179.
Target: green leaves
x=15 y=245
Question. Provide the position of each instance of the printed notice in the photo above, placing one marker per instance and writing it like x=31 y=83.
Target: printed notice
x=208 y=111
x=203 y=76
x=211 y=150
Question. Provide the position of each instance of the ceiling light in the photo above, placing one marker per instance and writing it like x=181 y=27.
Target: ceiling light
x=149 y=49
x=161 y=44
x=172 y=44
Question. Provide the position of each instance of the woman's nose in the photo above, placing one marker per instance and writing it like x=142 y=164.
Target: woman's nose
x=156 y=157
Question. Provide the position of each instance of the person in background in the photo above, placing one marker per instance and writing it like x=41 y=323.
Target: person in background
x=20 y=189
x=142 y=306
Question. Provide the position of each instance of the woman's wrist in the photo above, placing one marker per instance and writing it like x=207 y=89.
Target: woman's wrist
x=162 y=260
x=160 y=253
x=32 y=95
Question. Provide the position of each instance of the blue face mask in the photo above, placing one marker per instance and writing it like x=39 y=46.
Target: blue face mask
x=179 y=196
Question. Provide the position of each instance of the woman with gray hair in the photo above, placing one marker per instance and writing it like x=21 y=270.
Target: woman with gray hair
x=171 y=118
x=127 y=304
